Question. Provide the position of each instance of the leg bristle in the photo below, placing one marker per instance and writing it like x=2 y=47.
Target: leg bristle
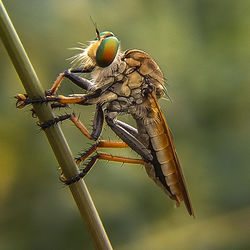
x=54 y=121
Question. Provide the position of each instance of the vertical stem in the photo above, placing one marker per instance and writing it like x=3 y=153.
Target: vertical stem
x=54 y=134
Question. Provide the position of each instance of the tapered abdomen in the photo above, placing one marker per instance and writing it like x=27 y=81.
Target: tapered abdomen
x=165 y=169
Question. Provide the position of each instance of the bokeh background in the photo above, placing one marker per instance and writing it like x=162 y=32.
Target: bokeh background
x=203 y=48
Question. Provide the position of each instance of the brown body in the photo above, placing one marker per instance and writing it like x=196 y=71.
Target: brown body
x=166 y=170
x=142 y=81
x=131 y=85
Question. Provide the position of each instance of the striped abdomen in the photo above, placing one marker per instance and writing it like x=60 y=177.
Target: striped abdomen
x=165 y=169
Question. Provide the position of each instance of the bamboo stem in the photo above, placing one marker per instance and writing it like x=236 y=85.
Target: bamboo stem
x=54 y=134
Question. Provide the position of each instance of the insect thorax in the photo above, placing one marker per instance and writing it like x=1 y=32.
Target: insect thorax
x=130 y=77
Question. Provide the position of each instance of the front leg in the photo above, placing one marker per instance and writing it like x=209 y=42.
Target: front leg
x=71 y=75
x=23 y=100
x=97 y=96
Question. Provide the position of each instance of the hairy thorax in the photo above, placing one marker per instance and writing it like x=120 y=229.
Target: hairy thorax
x=129 y=78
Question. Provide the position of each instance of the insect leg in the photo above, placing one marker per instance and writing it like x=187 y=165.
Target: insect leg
x=100 y=144
x=102 y=156
x=109 y=157
x=97 y=125
x=23 y=100
x=82 y=99
x=128 y=128
x=71 y=75
x=129 y=139
x=98 y=122
x=58 y=105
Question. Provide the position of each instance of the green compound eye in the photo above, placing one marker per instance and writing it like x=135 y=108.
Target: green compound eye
x=107 y=50
x=104 y=33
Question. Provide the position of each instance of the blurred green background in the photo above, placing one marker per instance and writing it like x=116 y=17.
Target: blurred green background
x=203 y=48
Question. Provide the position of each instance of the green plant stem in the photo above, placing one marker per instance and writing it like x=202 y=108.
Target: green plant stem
x=54 y=134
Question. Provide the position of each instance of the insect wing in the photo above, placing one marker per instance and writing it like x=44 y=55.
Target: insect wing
x=181 y=179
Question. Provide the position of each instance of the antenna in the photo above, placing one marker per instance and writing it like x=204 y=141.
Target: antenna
x=96 y=29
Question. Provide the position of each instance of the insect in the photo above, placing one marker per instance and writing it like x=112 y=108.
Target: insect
x=127 y=82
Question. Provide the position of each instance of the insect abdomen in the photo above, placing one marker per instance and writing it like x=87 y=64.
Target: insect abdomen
x=165 y=158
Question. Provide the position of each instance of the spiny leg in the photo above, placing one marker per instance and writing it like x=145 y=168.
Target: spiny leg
x=93 y=148
x=110 y=144
x=102 y=156
x=100 y=144
x=53 y=106
x=23 y=100
x=54 y=121
x=58 y=105
x=71 y=75
x=82 y=99
x=97 y=125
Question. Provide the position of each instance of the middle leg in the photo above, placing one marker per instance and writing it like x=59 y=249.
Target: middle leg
x=97 y=123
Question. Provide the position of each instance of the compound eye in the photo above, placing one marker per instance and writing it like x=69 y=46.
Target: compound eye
x=107 y=51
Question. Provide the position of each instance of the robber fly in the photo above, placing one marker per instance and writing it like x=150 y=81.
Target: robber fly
x=127 y=82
